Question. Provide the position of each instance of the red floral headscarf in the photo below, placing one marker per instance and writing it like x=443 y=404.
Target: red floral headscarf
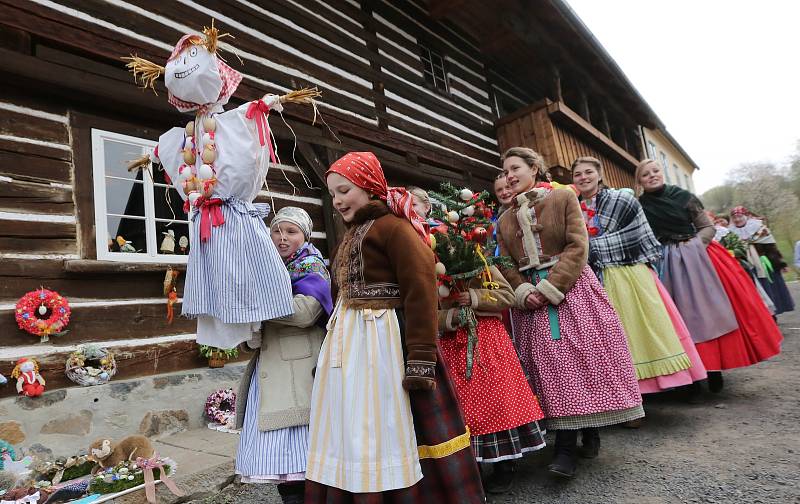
x=364 y=170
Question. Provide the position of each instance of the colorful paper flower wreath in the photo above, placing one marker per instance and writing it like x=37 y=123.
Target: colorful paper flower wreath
x=43 y=313
x=221 y=406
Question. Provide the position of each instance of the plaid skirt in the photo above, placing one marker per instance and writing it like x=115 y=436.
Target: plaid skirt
x=508 y=444
x=446 y=477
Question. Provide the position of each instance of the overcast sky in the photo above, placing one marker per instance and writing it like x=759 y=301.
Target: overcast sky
x=723 y=76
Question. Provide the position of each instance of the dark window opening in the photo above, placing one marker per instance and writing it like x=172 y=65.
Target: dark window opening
x=433 y=68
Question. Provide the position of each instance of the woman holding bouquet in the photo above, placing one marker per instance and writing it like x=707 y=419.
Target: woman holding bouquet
x=499 y=407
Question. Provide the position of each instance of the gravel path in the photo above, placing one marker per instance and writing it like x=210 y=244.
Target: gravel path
x=741 y=446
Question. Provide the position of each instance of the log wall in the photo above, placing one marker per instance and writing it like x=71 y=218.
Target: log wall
x=62 y=77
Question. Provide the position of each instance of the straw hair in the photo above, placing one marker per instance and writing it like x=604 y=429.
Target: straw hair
x=139 y=163
x=304 y=96
x=145 y=72
x=212 y=36
x=637 y=186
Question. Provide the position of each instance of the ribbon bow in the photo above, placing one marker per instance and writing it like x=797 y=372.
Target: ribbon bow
x=210 y=214
x=147 y=466
x=259 y=111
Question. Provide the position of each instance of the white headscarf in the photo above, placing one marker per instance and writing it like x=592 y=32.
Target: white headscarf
x=296 y=216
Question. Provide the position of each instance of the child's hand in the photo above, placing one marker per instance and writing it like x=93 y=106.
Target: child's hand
x=464 y=299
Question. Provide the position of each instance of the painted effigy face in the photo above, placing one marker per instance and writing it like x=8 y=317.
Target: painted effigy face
x=193 y=76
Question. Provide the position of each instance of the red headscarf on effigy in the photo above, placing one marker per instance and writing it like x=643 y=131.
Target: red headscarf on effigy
x=364 y=170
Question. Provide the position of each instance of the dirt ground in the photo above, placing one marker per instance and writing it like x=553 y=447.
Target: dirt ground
x=740 y=446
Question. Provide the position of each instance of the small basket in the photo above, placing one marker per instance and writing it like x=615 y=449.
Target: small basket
x=87 y=376
x=217 y=359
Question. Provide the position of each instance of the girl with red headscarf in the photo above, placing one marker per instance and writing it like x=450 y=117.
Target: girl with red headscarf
x=385 y=423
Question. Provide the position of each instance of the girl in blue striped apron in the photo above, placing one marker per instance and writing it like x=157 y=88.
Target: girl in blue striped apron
x=275 y=392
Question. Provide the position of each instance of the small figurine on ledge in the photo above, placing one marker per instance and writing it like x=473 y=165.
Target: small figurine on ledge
x=29 y=382
x=168 y=243
x=125 y=245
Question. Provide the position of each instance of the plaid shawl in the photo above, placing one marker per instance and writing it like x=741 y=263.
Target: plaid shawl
x=626 y=237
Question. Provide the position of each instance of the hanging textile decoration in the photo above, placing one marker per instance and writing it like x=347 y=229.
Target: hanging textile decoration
x=171 y=291
x=43 y=313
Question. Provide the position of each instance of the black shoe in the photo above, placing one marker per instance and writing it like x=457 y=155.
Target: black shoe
x=715 y=382
x=292 y=493
x=502 y=479
x=694 y=393
x=563 y=464
x=590 y=443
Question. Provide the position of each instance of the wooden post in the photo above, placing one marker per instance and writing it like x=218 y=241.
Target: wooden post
x=372 y=49
x=604 y=124
x=328 y=212
x=556 y=83
x=583 y=105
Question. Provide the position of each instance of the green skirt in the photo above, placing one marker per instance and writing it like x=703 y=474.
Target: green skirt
x=655 y=347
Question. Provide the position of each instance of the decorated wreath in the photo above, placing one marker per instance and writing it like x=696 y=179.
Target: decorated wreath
x=43 y=313
x=221 y=406
x=90 y=365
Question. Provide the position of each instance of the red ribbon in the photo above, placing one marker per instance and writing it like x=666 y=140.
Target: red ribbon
x=210 y=215
x=258 y=111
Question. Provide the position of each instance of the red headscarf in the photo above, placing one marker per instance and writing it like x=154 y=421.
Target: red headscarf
x=364 y=170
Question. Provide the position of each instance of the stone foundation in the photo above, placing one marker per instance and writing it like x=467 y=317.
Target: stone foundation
x=61 y=422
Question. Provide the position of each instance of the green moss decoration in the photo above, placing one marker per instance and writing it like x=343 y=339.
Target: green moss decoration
x=101 y=487
x=77 y=471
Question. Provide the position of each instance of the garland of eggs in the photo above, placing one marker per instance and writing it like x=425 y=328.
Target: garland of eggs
x=196 y=181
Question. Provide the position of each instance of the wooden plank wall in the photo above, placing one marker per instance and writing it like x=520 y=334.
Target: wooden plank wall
x=559 y=145
x=111 y=305
x=365 y=60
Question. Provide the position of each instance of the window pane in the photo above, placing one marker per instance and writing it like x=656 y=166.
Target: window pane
x=125 y=197
x=171 y=208
x=126 y=235
x=173 y=237
x=117 y=155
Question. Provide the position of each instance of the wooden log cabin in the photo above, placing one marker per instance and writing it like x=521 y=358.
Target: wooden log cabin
x=437 y=89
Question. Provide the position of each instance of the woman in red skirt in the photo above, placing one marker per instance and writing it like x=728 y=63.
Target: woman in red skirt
x=729 y=322
x=499 y=407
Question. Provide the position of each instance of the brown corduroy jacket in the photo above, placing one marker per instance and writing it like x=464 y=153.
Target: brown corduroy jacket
x=380 y=263
x=560 y=237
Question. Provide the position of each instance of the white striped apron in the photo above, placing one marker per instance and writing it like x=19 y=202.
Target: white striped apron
x=362 y=433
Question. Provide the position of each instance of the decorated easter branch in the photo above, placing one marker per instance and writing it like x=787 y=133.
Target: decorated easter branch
x=460 y=243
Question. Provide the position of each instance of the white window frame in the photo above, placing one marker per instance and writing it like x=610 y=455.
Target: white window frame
x=665 y=165
x=678 y=172
x=101 y=208
x=653 y=154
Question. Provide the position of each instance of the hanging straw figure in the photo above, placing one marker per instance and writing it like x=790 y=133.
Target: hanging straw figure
x=218 y=163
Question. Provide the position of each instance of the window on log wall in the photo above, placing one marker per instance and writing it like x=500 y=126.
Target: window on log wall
x=433 y=68
x=138 y=216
